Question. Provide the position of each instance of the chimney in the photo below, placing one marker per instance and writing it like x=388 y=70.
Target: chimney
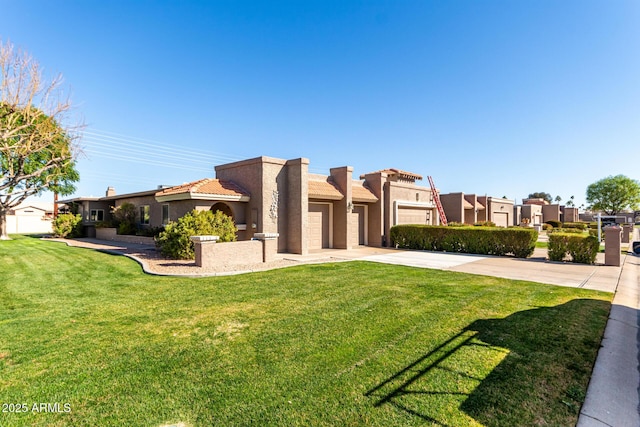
x=110 y=192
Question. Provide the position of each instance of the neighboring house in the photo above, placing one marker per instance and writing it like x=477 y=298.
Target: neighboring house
x=470 y=209
x=268 y=195
x=462 y=208
x=497 y=210
x=30 y=218
x=531 y=214
x=539 y=211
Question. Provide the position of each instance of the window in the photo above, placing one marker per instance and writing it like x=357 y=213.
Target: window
x=165 y=214
x=96 y=215
x=144 y=215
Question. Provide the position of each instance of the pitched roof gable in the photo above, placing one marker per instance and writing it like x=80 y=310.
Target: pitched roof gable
x=204 y=189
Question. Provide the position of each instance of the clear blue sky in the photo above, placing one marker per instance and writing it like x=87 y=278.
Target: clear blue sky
x=497 y=97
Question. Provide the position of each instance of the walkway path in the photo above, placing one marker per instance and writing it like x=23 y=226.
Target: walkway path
x=613 y=397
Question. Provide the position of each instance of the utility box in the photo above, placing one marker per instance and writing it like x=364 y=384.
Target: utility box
x=612 y=245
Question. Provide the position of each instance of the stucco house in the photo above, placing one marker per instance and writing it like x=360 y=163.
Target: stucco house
x=470 y=208
x=270 y=195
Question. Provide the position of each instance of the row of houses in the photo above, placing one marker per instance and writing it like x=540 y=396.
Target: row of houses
x=311 y=211
x=470 y=209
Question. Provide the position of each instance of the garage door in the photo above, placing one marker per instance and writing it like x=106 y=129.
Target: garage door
x=357 y=225
x=501 y=219
x=318 y=226
x=413 y=215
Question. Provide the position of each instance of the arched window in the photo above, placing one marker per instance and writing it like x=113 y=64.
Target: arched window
x=223 y=207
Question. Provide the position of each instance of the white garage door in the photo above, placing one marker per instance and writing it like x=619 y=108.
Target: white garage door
x=318 y=226
x=358 y=225
x=414 y=215
x=501 y=219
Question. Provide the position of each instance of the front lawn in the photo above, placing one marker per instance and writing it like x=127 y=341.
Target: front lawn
x=330 y=344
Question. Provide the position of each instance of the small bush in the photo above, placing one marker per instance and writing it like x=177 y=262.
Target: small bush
x=175 y=241
x=547 y=227
x=518 y=241
x=554 y=223
x=150 y=231
x=125 y=217
x=582 y=249
x=67 y=225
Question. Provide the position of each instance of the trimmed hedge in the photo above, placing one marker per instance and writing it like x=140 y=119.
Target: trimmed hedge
x=581 y=248
x=519 y=242
x=578 y=225
x=554 y=223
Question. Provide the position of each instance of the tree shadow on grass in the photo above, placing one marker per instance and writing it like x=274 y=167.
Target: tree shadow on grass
x=529 y=368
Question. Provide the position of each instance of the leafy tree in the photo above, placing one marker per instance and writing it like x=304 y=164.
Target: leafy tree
x=571 y=202
x=541 y=195
x=175 y=240
x=558 y=199
x=614 y=194
x=37 y=152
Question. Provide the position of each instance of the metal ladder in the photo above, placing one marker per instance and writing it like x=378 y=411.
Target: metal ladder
x=436 y=198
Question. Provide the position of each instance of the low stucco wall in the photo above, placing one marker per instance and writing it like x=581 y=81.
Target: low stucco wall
x=229 y=254
x=112 y=235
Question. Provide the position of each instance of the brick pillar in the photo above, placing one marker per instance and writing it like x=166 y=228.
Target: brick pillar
x=269 y=245
x=626 y=232
x=612 y=244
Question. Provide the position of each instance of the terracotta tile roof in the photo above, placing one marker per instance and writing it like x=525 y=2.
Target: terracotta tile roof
x=206 y=187
x=360 y=193
x=324 y=190
x=467 y=205
x=401 y=174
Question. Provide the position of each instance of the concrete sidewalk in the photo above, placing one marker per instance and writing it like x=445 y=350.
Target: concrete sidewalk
x=613 y=396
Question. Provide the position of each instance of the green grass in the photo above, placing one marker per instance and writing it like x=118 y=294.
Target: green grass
x=332 y=344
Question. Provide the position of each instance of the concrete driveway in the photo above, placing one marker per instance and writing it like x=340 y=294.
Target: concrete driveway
x=535 y=269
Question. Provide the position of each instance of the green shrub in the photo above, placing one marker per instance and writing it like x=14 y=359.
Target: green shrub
x=485 y=224
x=456 y=224
x=557 y=246
x=175 y=241
x=547 y=227
x=554 y=223
x=567 y=230
x=581 y=248
x=67 y=225
x=125 y=218
x=518 y=241
x=150 y=231
x=575 y=225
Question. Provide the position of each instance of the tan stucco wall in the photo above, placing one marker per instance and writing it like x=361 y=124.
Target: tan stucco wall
x=230 y=254
x=342 y=224
x=453 y=206
x=550 y=213
x=375 y=182
x=497 y=206
x=570 y=214
x=404 y=192
x=533 y=213
x=471 y=215
x=279 y=196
